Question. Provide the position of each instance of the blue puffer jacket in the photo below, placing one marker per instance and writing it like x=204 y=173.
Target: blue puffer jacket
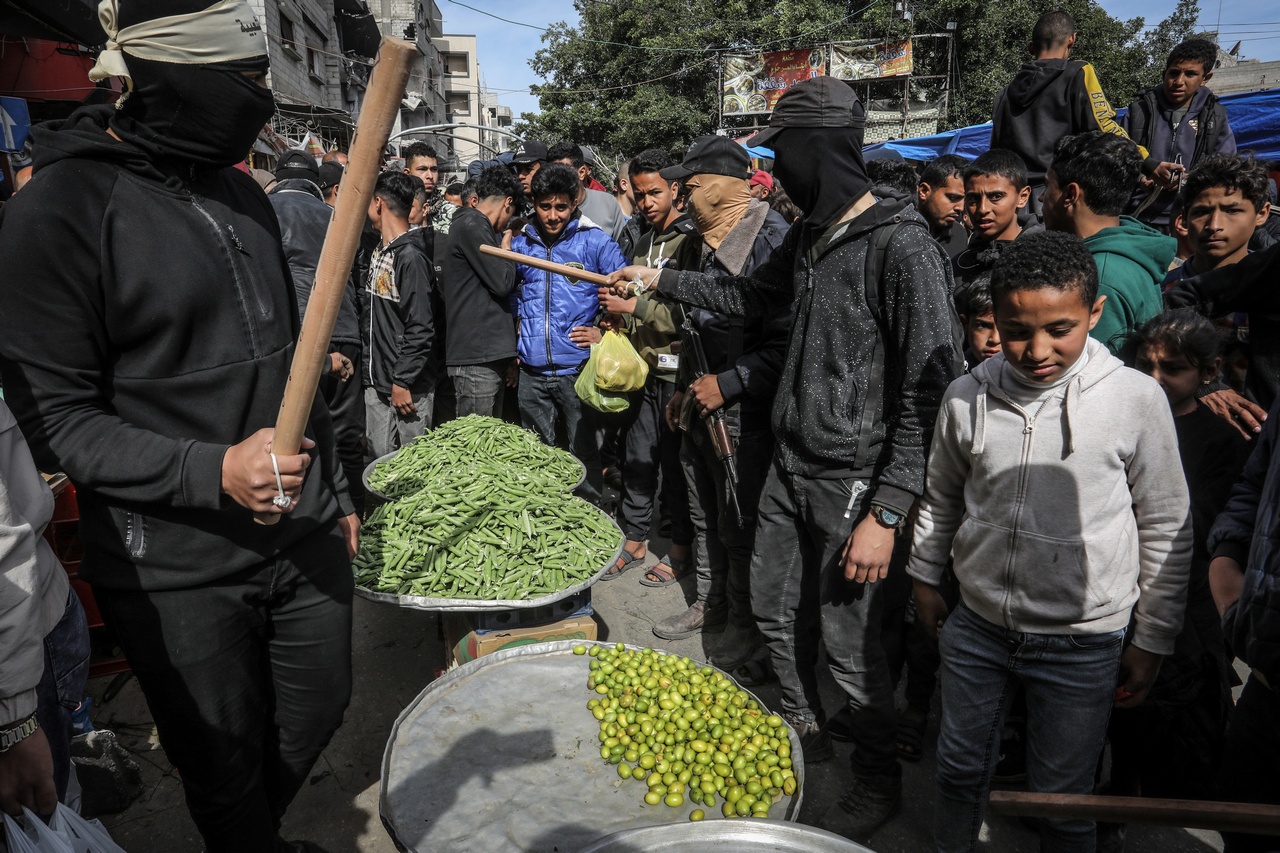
x=1248 y=531
x=549 y=305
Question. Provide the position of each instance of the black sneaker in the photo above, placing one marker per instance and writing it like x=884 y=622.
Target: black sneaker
x=815 y=741
x=863 y=809
x=1011 y=768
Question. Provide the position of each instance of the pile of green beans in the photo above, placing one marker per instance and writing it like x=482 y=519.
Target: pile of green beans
x=469 y=440
x=687 y=731
x=475 y=532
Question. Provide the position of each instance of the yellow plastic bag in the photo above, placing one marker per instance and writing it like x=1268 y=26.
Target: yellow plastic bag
x=589 y=393
x=620 y=368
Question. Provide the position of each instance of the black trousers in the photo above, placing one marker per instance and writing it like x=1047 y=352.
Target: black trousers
x=649 y=448
x=246 y=679
x=1250 y=761
x=346 y=409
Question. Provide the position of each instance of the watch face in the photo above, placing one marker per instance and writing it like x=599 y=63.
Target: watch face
x=890 y=517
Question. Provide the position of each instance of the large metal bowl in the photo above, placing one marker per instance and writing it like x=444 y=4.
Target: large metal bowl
x=501 y=755
x=732 y=836
x=474 y=605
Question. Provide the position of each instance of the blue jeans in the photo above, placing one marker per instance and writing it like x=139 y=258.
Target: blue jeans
x=66 y=667
x=542 y=399
x=478 y=388
x=1069 y=681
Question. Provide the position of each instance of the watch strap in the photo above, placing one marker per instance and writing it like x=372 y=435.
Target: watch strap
x=14 y=735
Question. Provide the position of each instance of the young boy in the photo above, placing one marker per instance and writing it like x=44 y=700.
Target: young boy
x=1086 y=188
x=981 y=338
x=1054 y=481
x=556 y=315
x=401 y=353
x=1179 y=122
x=995 y=190
x=1051 y=97
x=1224 y=200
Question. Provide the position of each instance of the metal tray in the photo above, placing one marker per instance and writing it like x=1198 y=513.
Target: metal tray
x=734 y=836
x=473 y=605
x=368 y=469
x=501 y=754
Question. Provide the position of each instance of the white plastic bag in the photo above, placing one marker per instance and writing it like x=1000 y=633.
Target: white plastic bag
x=85 y=836
x=34 y=837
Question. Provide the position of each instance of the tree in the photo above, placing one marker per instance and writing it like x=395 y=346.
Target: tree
x=634 y=74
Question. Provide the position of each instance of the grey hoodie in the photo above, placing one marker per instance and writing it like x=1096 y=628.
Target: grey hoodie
x=1065 y=520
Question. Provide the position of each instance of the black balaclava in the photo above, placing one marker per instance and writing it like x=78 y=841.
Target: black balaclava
x=204 y=114
x=821 y=168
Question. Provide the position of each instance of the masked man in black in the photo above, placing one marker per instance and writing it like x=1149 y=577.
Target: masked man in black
x=145 y=343
x=873 y=346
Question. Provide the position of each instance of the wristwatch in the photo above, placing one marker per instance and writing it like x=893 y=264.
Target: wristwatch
x=888 y=517
x=11 y=737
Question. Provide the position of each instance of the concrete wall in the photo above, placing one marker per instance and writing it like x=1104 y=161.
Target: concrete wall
x=294 y=75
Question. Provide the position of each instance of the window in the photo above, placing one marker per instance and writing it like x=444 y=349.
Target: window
x=287 y=37
x=459 y=103
x=456 y=64
x=315 y=64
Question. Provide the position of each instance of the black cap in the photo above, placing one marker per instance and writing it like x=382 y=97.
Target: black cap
x=711 y=155
x=297 y=164
x=330 y=175
x=530 y=151
x=816 y=102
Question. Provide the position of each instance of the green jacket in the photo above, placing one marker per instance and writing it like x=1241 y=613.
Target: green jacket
x=1132 y=260
x=656 y=322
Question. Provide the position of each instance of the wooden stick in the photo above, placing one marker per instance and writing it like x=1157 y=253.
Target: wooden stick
x=1197 y=814
x=377 y=115
x=549 y=266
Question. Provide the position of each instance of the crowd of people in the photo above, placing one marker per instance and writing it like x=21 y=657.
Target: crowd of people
x=1000 y=425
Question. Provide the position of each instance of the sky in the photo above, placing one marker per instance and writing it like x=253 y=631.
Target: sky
x=506 y=48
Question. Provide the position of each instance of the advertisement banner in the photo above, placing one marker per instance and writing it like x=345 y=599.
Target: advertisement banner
x=869 y=60
x=753 y=83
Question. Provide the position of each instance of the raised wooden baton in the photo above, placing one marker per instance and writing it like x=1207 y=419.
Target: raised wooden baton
x=377 y=115
x=549 y=266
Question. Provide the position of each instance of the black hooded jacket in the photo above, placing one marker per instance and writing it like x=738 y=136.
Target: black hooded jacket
x=147 y=327
x=1047 y=100
x=859 y=389
x=304 y=221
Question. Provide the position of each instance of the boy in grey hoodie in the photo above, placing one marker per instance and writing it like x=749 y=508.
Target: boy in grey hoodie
x=1053 y=482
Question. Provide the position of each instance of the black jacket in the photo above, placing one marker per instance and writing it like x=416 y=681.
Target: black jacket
x=745 y=356
x=1248 y=286
x=400 y=345
x=147 y=327
x=476 y=287
x=859 y=389
x=304 y=221
x=1047 y=100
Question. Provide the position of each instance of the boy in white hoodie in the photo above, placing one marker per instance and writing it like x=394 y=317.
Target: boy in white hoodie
x=1054 y=484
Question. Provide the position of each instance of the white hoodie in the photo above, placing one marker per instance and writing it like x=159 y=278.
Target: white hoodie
x=33 y=586
x=1059 y=518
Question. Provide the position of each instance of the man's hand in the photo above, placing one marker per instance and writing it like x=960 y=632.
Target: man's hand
x=1226 y=582
x=1167 y=175
x=513 y=373
x=706 y=394
x=585 y=336
x=402 y=401
x=672 y=412
x=26 y=777
x=615 y=304
x=1138 y=670
x=340 y=366
x=1237 y=411
x=249 y=480
x=866 y=554
x=507 y=237
x=350 y=527
x=621 y=280
x=931 y=608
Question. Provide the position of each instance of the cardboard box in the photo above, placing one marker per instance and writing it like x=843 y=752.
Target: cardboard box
x=488 y=621
x=465 y=644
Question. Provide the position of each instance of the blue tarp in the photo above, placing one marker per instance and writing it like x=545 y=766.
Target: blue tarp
x=1254 y=117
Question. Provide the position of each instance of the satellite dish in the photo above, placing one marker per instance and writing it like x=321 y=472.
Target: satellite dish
x=1235 y=51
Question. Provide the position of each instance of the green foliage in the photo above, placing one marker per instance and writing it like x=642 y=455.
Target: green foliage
x=634 y=74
